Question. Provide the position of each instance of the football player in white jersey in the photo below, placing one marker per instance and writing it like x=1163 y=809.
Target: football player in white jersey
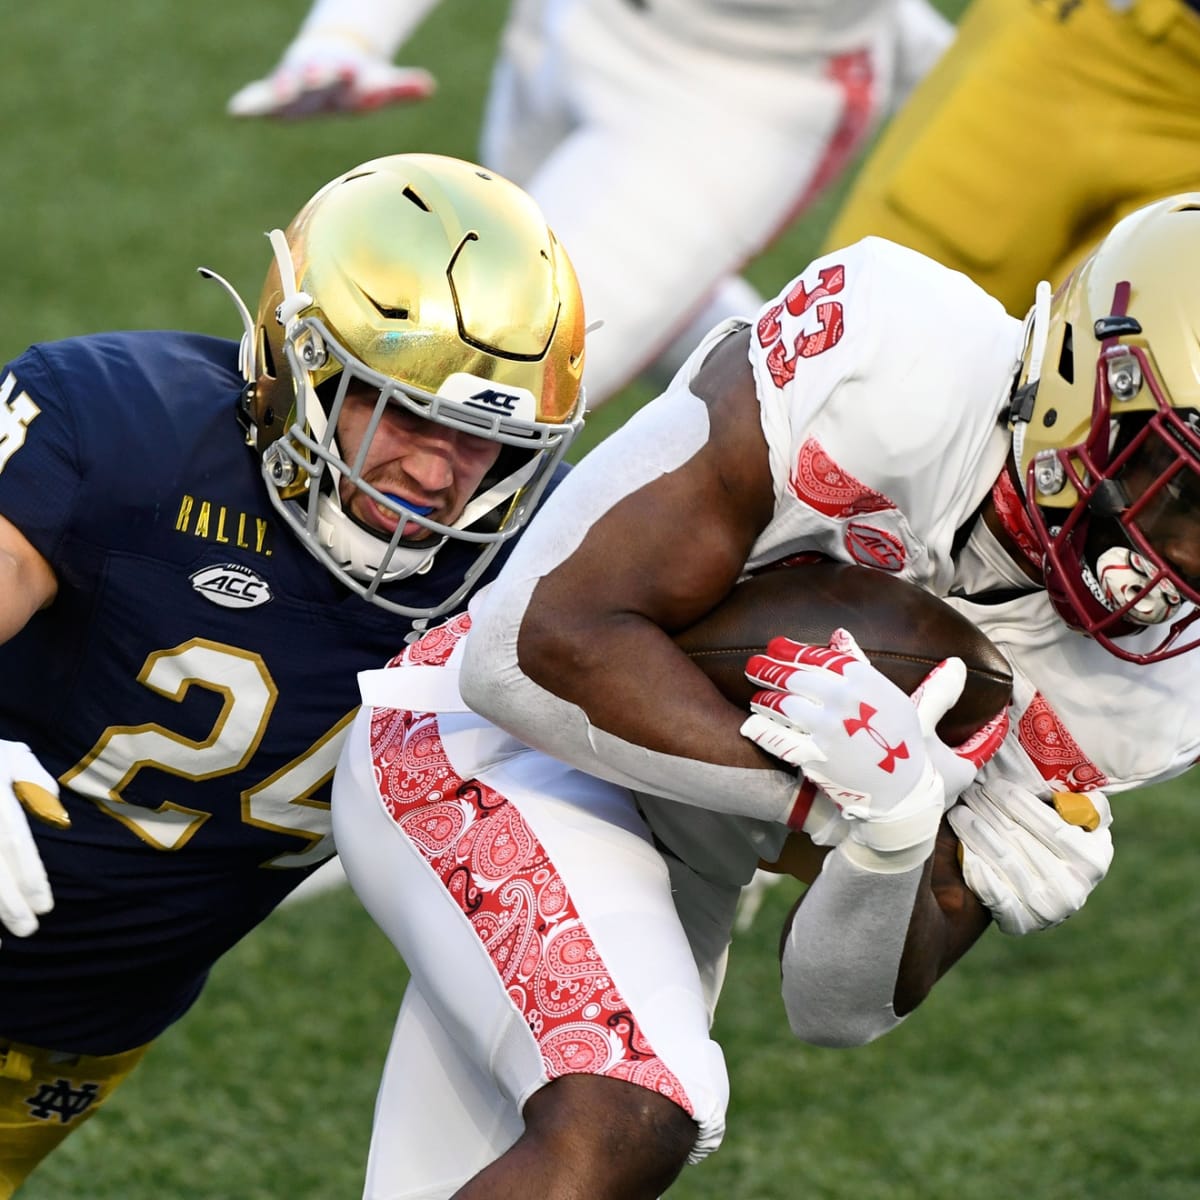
x=611 y=113
x=566 y=942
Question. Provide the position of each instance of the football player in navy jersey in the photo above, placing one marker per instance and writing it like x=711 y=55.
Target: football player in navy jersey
x=200 y=545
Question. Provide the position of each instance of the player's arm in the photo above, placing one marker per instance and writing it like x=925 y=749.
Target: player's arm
x=341 y=61
x=27 y=584
x=27 y=581
x=571 y=648
x=854 y=965
x=861 y=949
x=888 y=912
x=947 y=920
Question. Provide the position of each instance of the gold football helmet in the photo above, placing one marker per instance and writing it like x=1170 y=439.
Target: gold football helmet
x=438 y=285
x=1106 y=434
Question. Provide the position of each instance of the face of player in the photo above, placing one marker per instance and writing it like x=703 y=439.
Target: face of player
x=426 y=467
x=1164 y=490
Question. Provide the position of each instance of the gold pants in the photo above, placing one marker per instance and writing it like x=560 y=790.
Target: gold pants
x=44 y=1096
x=1045 y=122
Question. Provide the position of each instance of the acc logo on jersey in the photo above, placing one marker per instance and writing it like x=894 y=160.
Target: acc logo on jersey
x=231 y=586
x=874 y=547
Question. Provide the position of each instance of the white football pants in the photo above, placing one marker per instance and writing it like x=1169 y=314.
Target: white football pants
x=537 y=921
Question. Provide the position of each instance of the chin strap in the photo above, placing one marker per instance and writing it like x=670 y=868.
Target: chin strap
x=360 y=553
x=493 y=497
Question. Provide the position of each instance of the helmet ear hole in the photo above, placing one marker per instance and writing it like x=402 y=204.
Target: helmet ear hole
x=1066 y=355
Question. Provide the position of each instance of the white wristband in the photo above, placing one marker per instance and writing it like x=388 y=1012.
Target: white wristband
x=885 y=862
x=904 y=836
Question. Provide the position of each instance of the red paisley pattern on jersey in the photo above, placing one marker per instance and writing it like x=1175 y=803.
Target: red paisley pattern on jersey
x=1054 y=751
x=435 y=647
x=507 y=886
x=820 y=483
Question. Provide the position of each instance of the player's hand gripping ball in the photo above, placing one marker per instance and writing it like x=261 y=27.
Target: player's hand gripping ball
x=855 y=734
x=903 y=630
x=1032 y=862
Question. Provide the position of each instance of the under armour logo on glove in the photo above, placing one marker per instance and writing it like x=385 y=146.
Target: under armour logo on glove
x=816 y=703
x=863 y=722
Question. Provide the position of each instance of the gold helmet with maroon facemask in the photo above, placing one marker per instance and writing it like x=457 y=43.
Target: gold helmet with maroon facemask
x=438 y=287
x=1106 y=436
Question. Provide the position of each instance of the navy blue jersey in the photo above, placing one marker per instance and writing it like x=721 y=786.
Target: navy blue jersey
x=188 y=687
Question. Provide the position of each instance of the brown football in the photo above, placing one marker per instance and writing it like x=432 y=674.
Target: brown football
x=904 y=630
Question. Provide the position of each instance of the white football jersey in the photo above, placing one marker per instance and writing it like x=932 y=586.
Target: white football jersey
x=883 y=421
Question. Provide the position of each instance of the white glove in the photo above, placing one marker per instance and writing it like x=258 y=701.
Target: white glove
x=856 y=735
x=329 y=74
x=957 y=765
x=24 y=889
x=1032 y=862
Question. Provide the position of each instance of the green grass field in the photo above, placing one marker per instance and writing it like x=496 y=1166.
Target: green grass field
x=1059 y=1067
